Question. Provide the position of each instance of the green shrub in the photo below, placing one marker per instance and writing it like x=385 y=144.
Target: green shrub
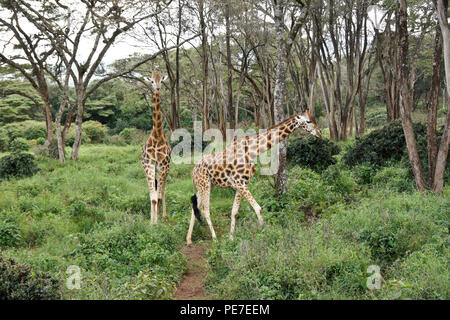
x=126 y=250
x=128 y=134
x=70 y=138
x=312 y=152
x=148 y=286
x=28 y=129
x=40 y=141
x=17 y=164
x=4 y=140
x=35 y=131
x=376 y=118
x=422 y=275
x=311 y=193
x=19 y=282
x=9 y=233
x=393 y=226
x=291 y=262
x=95 y=131
x=19 y=145
x=396 y=179
x=383 y=145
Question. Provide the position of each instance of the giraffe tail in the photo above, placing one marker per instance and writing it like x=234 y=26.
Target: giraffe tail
x=197 y=213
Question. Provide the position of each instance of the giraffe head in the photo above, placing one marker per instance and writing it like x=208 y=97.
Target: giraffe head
x=156 y=80
x=307 y=121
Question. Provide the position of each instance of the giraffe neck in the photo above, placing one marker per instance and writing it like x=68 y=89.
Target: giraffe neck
x=263 y=141
x=157 y=121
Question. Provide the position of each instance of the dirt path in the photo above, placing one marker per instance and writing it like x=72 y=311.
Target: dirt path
x=192 y=284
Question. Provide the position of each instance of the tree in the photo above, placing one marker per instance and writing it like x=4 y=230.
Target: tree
x=441 y=161
x=28 y=53
x=405 y=107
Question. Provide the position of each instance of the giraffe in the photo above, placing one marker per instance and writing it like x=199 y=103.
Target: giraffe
x=234 y=166
x=156 y=155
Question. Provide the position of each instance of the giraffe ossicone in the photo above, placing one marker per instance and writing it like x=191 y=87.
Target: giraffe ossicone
x=234 y=166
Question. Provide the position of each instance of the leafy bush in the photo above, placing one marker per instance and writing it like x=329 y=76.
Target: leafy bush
x=127 y=134
x=9 y=233
x=70 y=139
x=393 y=227
x=396 y=179
x=125 y=250
x=4 y=140
x=19 y=282
x=383 y=145
x=19 y=144
x=376 y=118
x=422 y=275
x=17 y=164
x=95 y=131
x=290 y=262
x=312 y=152
x=28 y=129
x=149 y=286
x=40 y=141
x=35 y=131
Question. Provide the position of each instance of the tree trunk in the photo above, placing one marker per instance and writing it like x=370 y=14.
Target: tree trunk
x=433 y=105
x=441 y=162
x=78 y=124
x=205 y=104
x=229 y=67
x=280 y=88
x=405 y=110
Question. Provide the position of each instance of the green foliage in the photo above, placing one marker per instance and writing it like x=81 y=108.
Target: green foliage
x=19 y=282
x=40 y=141
x=19 y=145
x=17 y=164
x=312 y=152
x=95 y=131
x=422 y=275
x=149 y=286
x=395 y=179
x=9 y=233
x=310 y=194
x=29 y=129
x=4 y=140
x=394 y=226
x=382 y=145
x=376 y=118
x=290 y=262
x=127 y=134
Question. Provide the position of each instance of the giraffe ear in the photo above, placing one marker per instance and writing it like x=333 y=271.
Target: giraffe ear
x=164 y=78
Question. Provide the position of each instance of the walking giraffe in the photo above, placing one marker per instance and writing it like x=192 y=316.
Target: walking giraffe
x=156 y=155
x=235 y=166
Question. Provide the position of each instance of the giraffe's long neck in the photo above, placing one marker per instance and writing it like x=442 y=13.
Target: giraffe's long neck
x=263 y=141
x=157 y=120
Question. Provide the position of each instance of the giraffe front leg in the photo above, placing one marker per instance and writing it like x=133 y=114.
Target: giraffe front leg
x=247 y=195
x=234 y=212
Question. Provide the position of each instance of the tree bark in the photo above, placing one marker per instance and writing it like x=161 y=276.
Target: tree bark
x=433 y=106
x=405 y=108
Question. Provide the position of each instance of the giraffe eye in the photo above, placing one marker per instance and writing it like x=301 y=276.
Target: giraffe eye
x=308 y=121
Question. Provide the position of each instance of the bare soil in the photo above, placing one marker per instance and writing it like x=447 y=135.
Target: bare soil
x=192 y=286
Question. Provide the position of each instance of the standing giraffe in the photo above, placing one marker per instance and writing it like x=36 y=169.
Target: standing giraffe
x=235 y=165
x=156 y=155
